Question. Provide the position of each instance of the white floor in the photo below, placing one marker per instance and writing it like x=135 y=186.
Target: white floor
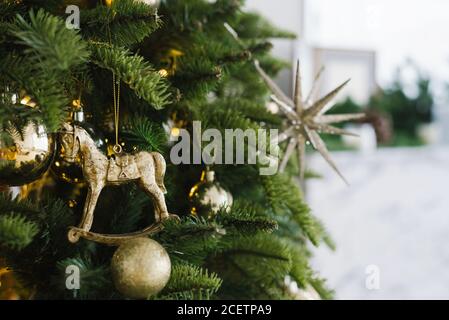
x=393 y=218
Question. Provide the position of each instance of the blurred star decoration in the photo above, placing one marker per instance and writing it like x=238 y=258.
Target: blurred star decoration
x=307 y=119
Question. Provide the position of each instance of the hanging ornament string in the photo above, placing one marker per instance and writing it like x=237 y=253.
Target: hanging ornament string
x=116 y=92
x=116 y=101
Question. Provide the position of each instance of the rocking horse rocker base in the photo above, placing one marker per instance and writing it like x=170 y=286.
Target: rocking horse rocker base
x=147 y=169
x=75 y=234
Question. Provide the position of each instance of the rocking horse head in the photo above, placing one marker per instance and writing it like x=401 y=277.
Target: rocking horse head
x=69 y=137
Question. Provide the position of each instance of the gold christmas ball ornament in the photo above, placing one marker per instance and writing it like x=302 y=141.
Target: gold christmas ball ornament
x=140 y=268
x=26 y=153
x=207 y=196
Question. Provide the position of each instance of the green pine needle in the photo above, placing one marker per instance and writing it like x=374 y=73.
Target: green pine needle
x=254 y=264
x=133 y=70
x=146 y=135
x=95 y=280
x=191 y=240
x=16 y=232
x=244 y=219
x=49 y=41
x=125 y=23
x=285 y=198
x=188 y=282
x=8 y=204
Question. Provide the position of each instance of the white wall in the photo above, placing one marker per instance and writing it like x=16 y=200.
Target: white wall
x=285 y=14
x=395 y=29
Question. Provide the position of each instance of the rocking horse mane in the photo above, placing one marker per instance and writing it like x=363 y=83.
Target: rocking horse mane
x=81 y=133
x=85 y=134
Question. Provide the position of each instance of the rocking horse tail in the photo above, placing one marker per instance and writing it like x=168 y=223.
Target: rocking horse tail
x=160 y=165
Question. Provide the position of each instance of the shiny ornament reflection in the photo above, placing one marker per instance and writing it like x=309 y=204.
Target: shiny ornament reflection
x=25 y=154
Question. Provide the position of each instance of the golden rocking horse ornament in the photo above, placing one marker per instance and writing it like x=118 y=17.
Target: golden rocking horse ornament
x=145 y=168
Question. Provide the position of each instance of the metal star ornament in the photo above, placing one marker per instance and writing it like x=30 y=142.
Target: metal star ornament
x=306 y=120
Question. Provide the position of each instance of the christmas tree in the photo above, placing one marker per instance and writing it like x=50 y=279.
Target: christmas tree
x=122 y=78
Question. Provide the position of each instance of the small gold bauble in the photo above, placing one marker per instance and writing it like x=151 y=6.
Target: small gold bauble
x=207 y=196
x=25 y=154
x=140 y=268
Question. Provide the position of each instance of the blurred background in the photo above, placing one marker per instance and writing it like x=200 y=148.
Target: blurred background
x=391 y=225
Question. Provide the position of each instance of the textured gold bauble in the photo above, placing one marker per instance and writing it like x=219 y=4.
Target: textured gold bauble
x=207 y=196
x=140 y=268
x=25 y=154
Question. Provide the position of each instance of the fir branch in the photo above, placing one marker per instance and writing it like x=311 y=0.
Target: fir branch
x=235 y=57
x=49 y=51
x=260 y=48
x=49 y=42
x=198 y=14
x=126 y=213
x=285 y=198
x=243 y=219
x=223 y=9
x=95 y=280
x=191 y=240
x=8 y=204
x=131 y=69
x=196 y=78
x=9 y=9
x=321 y=287
x=125 y=23
x=301 y=271
x=16 y=232
x=254 y=264
x=225 y=118
x=43 y=86
x=53 y=218
x=188 y=282
x=145 y=135
x=252 y=110
x=261 y=246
